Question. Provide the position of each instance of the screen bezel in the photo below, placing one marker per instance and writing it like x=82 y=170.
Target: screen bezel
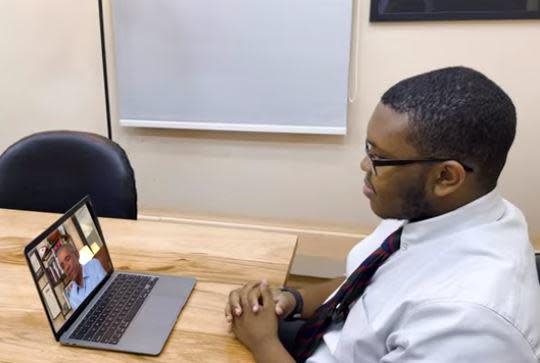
x=77 y=312
x=450 y=15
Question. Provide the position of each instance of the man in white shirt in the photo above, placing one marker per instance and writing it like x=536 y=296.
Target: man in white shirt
x=85 y=277
x=463 y=285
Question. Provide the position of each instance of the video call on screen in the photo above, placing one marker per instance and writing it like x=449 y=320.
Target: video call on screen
x=68 y=265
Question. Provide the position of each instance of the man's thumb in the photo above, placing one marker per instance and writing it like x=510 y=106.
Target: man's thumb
x=281 y=305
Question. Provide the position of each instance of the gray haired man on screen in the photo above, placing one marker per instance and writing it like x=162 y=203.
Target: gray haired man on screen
x=85 y=277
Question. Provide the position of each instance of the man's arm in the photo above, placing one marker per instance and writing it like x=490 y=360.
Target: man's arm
x=315 y=295
x=447 y=331
x=272 y=352
x=252 y=312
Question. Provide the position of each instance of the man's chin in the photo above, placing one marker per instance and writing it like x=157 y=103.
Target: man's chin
x=382 y=213
x=376 y=210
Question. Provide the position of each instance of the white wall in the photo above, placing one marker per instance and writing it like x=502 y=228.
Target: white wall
x=316 y=181
x=50 y=68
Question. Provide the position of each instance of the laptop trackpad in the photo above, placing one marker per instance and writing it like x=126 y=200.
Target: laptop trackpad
x=157 y=316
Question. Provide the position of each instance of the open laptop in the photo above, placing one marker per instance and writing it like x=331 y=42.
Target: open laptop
x=89 y=303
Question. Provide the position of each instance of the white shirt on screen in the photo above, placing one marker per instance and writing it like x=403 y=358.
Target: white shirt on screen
x=92 y=273
x=462 y=288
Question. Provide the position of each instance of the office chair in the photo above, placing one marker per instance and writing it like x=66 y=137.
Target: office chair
x=50 y=171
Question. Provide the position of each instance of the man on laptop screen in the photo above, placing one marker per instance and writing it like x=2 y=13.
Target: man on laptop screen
x=90 y=304
x=84 y=278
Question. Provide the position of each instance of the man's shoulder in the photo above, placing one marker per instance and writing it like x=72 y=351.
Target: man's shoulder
x=385 y=228
x=510 y=226
x=93 y=265
x=93 y=262
x=71 y=287
x=368 y=244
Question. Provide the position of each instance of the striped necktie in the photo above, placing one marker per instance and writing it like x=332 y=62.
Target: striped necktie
x=336 y=309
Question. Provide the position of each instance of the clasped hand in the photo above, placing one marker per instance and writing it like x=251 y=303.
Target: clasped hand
x=253 y=311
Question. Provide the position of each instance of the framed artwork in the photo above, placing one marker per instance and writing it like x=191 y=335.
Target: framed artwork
x=36 y=265
x=51 y=301
x=403 y=10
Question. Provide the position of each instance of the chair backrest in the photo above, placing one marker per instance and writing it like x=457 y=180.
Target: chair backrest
x=50 y=171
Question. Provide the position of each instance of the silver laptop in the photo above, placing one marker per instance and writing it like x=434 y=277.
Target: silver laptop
x=88 y=302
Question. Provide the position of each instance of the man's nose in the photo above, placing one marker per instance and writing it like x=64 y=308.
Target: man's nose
x=364 y=164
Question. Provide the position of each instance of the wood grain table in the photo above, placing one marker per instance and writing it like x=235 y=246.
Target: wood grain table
x=220 y=258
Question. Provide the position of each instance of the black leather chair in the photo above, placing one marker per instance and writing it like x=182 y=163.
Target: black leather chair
x=50 y=171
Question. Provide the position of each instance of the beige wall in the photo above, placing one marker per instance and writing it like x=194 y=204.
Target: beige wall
x=52 y=78
x=315 y=180
x=50 y=68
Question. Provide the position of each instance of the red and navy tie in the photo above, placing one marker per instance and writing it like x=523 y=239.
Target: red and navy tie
x=336 y=309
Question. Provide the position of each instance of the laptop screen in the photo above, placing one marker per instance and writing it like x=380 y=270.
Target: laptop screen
x=68 y=263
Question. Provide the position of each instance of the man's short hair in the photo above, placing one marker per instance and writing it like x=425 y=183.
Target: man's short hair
x=457 y=113
x=68 y=247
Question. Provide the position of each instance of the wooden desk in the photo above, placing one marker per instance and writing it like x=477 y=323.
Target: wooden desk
x=220 y=258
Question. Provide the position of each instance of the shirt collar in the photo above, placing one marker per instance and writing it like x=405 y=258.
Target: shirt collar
x=485 y=209
x=84 y=277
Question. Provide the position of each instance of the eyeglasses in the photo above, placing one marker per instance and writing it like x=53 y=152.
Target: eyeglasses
x=374 y=162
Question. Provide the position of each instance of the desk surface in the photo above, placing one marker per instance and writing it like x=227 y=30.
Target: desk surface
x=220 y=258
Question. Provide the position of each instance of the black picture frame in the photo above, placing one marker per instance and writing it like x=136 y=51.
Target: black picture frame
x=410 y=10
x=41 y=270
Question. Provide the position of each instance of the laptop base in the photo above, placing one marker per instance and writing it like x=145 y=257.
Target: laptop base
x=153 y=323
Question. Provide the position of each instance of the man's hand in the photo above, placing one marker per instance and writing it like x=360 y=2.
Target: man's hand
x=256 y=329
x=249 y=297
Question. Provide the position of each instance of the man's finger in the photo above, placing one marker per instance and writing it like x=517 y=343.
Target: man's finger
x=244 y=292
x=279 y=306
x=228 y=312
x=267 y=297
x=283 y=304
x=253 y=298
x=276 y=293
x=277 y=296
x=234 y=301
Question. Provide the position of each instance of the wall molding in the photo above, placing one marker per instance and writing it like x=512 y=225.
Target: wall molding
x=313 y=256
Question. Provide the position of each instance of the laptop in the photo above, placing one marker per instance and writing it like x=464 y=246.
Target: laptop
x=90 y=304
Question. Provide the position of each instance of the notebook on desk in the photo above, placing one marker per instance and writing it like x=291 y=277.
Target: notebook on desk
x=90 y=304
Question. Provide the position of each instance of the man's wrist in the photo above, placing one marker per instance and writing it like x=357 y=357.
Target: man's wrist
x=299 y=303
x=271 y=351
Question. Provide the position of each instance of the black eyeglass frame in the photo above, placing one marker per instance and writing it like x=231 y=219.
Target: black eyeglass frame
x=398 y=162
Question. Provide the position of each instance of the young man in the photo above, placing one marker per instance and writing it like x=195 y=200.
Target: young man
x=449 y=275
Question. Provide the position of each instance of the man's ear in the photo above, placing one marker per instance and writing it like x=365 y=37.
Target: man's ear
x=448 y=177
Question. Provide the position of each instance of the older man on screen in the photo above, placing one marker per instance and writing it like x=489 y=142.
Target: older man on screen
x=85 y=277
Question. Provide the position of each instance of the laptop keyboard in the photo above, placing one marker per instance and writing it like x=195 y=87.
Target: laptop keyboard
x=113 y=312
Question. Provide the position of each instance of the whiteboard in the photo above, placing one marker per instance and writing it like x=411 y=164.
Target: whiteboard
x=239 y=65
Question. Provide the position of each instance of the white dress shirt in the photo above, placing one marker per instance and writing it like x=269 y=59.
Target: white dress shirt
x=92 y=274
x=462 y=288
